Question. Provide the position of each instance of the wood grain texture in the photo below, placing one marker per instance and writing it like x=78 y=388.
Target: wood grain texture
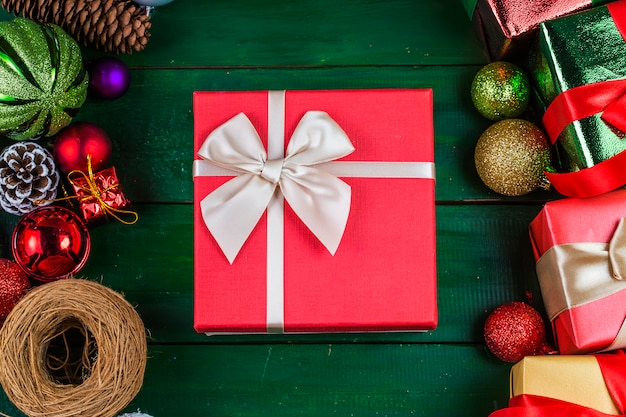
x=483 y=253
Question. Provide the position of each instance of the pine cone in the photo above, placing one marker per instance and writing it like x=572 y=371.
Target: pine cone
x=27 y=174
x=118 y=26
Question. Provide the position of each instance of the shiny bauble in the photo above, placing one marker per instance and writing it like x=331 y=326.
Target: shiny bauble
x=500 y=90
x=50 y=243
x=76 y=141
x=109 y=78
x=42 y=80
x=512 y=156
x=13 y=286
x=515 y=330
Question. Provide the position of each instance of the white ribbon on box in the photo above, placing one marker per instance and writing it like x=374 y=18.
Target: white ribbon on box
x=305 y=175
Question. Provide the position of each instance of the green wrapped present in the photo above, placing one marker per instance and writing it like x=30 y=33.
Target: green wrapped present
x=579 y=72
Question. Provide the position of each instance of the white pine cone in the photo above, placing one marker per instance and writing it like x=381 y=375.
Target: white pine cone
x=28 y=174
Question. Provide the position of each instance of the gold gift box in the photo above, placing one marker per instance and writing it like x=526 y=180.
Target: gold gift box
x=573 y=378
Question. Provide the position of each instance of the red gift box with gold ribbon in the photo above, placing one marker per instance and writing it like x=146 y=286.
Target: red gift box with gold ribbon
x=580 y=248
x=100 y=196
x=314 y=211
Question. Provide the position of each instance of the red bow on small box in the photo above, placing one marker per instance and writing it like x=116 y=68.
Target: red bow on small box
x=100 y=195
x=613 y=366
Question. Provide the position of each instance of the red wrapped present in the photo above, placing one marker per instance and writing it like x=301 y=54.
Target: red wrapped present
x=100 y=195
x=568 y=386
x=314 y=211
x=507 y=28
x=579 y=244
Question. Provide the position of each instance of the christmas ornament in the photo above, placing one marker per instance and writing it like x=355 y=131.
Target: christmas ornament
x=105 y=365
x=134 y=415
x=109 y=78
x=76 y=141
x=13 y=286
x=511 y=157
x=500 y=90
x=42 y=80
x=118 y=26
x=50 y=243
x=28 y=177
x=100 y=196
x=514 y=330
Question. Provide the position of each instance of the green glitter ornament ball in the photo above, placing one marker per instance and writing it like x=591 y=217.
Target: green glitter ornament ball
x=500 y=90
x=42 y=79
x=512 y=156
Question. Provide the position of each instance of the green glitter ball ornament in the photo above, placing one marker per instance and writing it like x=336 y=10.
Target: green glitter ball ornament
x=42 y=79
x=512 y=156
x=500 y=90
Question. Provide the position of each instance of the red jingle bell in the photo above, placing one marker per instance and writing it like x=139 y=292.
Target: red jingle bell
x=50 y=243
x=76 y=141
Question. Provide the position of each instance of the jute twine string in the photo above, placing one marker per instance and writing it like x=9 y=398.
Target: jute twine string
x=104 y=373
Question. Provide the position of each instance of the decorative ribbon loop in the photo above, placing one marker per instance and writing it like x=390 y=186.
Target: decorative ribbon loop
x=321 y=200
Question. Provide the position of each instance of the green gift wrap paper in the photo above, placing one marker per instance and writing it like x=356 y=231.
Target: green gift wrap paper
x=573 y=51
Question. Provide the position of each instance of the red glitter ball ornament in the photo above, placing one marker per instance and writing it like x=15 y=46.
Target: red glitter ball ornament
x=50 y=243
x=13 y=286
x=515 y=330
x=76 y=141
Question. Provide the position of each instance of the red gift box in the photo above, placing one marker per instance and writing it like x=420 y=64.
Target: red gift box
x=579 y=245
x=382 y=275
x=100 y=194
x=507 y=28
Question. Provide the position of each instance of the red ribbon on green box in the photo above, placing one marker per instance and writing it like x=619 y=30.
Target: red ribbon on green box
x=606 y=97
x=613 y=367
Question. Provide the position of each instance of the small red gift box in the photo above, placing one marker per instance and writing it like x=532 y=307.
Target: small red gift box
x=353 y=246
x=579 y=245
x=100 y=194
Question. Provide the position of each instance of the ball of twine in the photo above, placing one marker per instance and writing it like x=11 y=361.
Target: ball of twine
x=72 y=348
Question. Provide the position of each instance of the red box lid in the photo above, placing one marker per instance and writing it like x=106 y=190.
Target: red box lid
x=383 y=275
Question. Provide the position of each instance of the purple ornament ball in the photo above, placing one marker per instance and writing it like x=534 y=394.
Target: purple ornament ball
x=109 y=78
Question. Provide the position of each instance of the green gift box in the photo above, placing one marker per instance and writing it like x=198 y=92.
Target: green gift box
x=579 y=72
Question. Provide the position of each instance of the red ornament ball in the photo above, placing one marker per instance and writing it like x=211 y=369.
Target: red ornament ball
x=76 y=141
x=13 y=286
x=515 y=330
x=50 y=243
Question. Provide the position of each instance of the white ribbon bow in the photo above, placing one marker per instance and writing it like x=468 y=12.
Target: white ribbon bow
x=321 y=200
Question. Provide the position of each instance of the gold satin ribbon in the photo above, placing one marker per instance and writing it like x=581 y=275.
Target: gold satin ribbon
x=574 y=274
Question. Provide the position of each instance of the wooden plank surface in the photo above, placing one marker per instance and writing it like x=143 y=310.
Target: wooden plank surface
x=484 y=256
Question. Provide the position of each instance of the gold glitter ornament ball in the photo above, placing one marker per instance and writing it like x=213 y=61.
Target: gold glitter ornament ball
x=511 y=157
x=500 y=90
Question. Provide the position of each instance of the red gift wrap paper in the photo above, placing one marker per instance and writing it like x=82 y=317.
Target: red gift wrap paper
x=108 y=195
x=382 y=276
x=508 y=27
x=590 y=280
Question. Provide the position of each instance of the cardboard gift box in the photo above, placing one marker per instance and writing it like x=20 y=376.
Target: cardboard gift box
x=507 y=28
x=567 y=385
x=579 y=75
x=580 y=248
x=285 y=276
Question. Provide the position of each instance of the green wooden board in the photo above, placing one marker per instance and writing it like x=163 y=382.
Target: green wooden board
x=483 y=252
